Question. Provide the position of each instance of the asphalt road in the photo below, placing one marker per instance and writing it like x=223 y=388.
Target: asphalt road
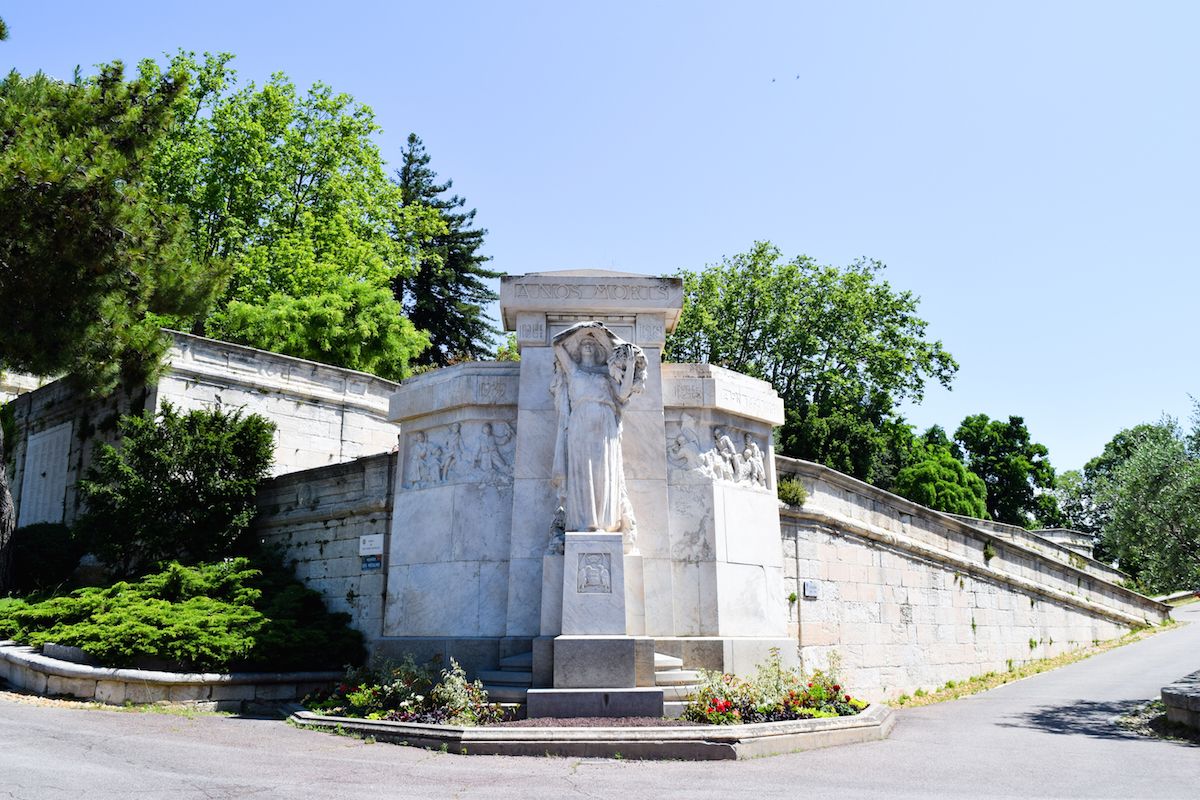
x=1051 y=735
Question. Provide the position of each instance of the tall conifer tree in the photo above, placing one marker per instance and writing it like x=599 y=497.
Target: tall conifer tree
x=448 y=294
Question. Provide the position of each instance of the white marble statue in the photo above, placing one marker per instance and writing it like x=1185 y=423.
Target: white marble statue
x=596 y=373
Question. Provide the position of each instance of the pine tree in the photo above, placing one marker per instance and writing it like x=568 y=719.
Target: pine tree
x=448 y=294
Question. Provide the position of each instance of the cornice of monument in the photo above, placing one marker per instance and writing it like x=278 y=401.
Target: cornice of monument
x=587 y=292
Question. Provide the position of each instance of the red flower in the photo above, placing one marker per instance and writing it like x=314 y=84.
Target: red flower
x=810 y=685
x=837 y=688
x=847 y=698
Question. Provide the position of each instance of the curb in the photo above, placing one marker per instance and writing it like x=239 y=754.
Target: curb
x=690 y=743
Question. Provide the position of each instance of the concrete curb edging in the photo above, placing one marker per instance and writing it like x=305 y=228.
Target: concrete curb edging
x=692 y=742
x=26 y=669
x=1182 y=700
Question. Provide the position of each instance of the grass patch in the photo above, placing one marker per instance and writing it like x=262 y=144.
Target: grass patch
x=1151 y=720
x=990 y=680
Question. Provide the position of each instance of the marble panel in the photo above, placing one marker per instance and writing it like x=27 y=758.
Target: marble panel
x=493 y=598
x=659 y=594
x=642 y=448
x=593 y=584
x=692 y=522
x=441 y=600
x=531 y=329
x=482 y=521
x=524 y=596
x=552 y=581
x=537 y=371
x=744 y=593
x=536 y=438
x=750 y=526
x=590 y=291
x=685 y=586
x=649 y=501
x=651 y=397
x=534 y=504
x=422 y=521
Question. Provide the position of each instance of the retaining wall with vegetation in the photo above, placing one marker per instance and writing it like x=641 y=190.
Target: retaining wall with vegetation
x=317 y=517
x=910 y=598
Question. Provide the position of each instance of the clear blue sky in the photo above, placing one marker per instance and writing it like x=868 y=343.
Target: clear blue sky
x=1028 y=169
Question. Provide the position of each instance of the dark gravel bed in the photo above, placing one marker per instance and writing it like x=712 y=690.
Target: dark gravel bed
x=591 y=722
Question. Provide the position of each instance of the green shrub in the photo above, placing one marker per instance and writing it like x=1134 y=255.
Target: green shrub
x=43 y=557
x=773 y=694
x=405 y=692
x=181 y=487
x=791 y=491
x=207 y=617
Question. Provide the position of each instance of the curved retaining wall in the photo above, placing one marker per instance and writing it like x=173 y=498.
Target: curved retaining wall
x=911 y=598
x=26 y=669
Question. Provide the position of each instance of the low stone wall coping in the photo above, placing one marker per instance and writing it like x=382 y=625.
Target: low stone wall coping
x=1183 y=693
x=27 y=670
x=692 y=742
x=30 y=657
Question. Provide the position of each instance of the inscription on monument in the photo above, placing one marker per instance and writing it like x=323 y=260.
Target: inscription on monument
x=531 y=330
x=595 y=573
x=590 y=291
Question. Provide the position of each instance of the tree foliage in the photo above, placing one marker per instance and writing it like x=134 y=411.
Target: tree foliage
x=939 y=480
x=288 y=191
x=447 y=294
x=221 y=616
x=1012 y=466
x=92 y=260
x=181 y=487
x=1147 y=484
x=840 y=345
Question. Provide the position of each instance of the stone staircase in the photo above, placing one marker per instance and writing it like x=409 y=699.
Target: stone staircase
x=510 y=683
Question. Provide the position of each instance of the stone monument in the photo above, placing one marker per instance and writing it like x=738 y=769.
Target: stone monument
x=590 y=504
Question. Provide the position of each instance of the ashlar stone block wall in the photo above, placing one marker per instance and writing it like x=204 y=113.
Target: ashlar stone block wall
x=317 y=517
x=910 y=598
x=323 y=415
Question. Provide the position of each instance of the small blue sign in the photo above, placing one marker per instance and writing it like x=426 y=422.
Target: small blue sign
x=371 y=562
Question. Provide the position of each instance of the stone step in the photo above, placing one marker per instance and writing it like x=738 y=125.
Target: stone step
x=505 y=677
x=677 y=692
x=506 y=694
x=674 y=677
x=521 y=662
x=662 y=661
x=673 y=709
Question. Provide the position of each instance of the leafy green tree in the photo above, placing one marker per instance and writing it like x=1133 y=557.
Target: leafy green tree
x=840 y=345
x=92 y=261
x=447 y=294
x=937 y=479
x=1152 y=497
x=1012 y=466
x=181 y=487
x=287 y=191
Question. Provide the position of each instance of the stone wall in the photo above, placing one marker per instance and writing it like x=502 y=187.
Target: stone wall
x=910 y=598
x=1061 y=544
x=323 y=415
x=15 y=383
x=316 y=518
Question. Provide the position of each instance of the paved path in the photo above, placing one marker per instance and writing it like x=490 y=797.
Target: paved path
x=1048 y=736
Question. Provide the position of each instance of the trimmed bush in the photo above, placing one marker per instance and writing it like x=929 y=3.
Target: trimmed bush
x=208 y=617
x=180 y=488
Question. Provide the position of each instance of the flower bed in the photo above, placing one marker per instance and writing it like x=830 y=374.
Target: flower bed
x=773 y=694
x=405 y=692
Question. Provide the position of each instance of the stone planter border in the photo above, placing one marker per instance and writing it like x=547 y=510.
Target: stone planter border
x=692 y=742
x=26 y=669
x=1182 y=700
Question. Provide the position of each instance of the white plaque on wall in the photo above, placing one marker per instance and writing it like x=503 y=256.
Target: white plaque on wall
x=44 y=484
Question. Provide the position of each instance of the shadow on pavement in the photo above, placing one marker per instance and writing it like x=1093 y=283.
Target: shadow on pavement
x=1081 y=718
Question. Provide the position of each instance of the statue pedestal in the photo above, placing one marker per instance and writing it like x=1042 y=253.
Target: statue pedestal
x=599 y=670
x=593 y=585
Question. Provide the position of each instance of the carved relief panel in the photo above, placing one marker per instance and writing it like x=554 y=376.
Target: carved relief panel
x=460 y=452
x=721 y=453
